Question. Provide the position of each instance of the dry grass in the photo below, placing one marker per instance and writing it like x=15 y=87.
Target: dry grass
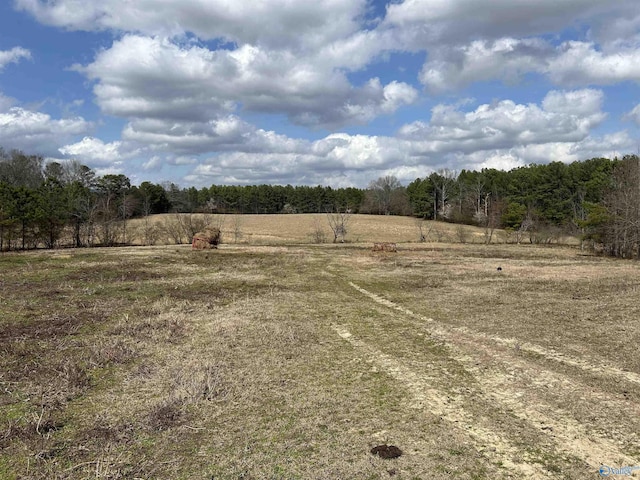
x=297 y=361
x=309 y=228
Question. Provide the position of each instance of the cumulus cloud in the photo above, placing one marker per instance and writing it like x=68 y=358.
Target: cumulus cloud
x=469 y=41
x=36 y=131
x=580 y=63
x=455 y=22
x=563 y=116
x=94 y=152
x=222 y=134
x=13 y=56
x=500 y=135
x=273 y=23
x=190 y=82
x=569 y=64
x=508 y=59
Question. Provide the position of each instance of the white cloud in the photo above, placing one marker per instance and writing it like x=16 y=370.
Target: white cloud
x=576 y=103
x=570 y=64
x=222 y=134
x=426 y=23
x=158 y=78
x=499 y=135
x=506 y=123
x=37 y=132
x=508 y=59
x=155 y=163
x=580 y=63
x=13 y=56
x=6 y=103
x=96 y=153
x=634 y=114
x=266 y=22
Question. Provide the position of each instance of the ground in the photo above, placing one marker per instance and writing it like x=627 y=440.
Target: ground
x=295 y=361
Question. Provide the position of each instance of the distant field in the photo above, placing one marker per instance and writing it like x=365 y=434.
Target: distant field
x=294 y=361
x=300 y=228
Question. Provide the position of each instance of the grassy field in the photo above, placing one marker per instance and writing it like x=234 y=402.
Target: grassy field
x=302 y=228
x=294 y=361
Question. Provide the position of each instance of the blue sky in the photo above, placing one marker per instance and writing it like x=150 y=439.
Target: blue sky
x=332 y=92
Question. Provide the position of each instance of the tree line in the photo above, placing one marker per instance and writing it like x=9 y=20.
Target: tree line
x=42 y=203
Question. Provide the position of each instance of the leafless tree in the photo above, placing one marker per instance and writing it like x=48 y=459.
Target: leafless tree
x=191 y=223
x=381 y=193
x=525 y=227
x=445 y=182
x=424 y=229
x=621 y=230
x=338 y=222
x=493 y=219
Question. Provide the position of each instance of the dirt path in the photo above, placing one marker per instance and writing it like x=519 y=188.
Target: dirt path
x=550 y=354
x=425 y=397
x=510 y=382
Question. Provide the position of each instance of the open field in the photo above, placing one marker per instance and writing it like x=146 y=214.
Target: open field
x=292 y=362
x=301 y=228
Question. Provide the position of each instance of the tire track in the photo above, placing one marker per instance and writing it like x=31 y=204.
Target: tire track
x=568 y=435
x=449 y=408
x=547 y=353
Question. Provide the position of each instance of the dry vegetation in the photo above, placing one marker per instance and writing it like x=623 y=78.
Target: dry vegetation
x=281 y=362
x=308 y=228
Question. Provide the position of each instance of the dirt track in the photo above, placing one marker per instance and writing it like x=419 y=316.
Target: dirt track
x=511 y=377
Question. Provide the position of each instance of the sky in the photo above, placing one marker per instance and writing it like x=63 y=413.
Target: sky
x=325 y=92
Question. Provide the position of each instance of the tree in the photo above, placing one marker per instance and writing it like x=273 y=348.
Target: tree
x=492 y=221
x=74 y=172
x=23 y=211
x=473 y=198
x=7 y=219
x=338 y=221
x=621 y=231
x=80 y=204
x=20 y=170
x=380 y=194
x=50 y=212
x=112 y=205
x=420 y=195
x=444 y=181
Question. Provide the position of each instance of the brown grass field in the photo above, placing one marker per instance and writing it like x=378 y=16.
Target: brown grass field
x=300 y=228
x=292 y=360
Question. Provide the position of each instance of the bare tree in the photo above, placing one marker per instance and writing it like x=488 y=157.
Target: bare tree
x=173 y=229
x=21 y=170
x=493 y=219
x=338 y=222
x=445 y=182
x=479 y=194
x=621 y=230
x=194 y=223
x=381 y=193
x=525 y=226
x=150 y=231
x=424 y=229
